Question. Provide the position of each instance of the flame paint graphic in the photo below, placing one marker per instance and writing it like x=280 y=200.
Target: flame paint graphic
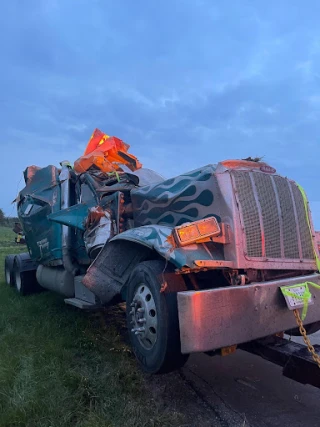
x=188 y=197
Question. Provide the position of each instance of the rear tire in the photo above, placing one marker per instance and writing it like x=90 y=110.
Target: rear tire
x=8 y=269
x=24 y=276
x=152 y=320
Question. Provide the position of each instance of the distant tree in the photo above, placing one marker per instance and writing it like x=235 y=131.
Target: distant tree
x=2 y=218
x=10 y=221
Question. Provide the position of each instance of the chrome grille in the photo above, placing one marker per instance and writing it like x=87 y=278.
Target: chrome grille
x=306 y=242
x=289 y=226
x=250 y=213
x=270 y=215
x=273 y=216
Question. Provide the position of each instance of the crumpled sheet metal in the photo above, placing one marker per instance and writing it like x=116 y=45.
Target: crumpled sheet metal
x=106 y=153
x=111 y=269
x=99 y=230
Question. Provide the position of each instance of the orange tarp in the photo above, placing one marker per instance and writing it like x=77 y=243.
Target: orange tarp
x=106 y=153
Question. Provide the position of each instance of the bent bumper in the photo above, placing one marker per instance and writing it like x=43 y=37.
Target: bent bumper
x=216 y=318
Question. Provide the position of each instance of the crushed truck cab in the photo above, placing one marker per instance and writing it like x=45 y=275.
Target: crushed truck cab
x=202 y=260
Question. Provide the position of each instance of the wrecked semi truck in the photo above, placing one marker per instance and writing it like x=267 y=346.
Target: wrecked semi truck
x=212 y=259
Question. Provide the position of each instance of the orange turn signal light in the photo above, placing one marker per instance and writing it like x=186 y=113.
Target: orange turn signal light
x=198 y=230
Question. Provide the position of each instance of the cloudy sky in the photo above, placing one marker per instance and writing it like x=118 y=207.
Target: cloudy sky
x=184 y=82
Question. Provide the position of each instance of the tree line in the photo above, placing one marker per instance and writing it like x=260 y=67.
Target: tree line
x=7 y=221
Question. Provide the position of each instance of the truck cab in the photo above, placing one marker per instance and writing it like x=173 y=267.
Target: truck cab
x=203 y=260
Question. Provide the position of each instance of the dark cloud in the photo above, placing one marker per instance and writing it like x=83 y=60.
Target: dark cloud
x=184 y=83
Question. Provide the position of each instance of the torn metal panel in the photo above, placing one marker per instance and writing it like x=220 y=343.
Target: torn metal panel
x=100 y=228
x=73 y=217
x=111 y=269
x=106 y=153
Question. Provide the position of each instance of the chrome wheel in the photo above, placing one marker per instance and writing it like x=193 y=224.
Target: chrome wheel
x=143 y=317
x=152 y=317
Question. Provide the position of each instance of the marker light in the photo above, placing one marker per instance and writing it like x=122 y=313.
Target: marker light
x=198 y=230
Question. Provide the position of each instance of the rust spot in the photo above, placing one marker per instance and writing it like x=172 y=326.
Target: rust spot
x=171 y=241
x=164 y=287
x=225 y=351
x=280 y=334
x=94 y=216
x=171 y=282
x=230 y=164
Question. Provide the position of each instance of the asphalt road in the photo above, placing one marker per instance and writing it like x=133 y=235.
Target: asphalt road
x=239 y=390
x=244 y=390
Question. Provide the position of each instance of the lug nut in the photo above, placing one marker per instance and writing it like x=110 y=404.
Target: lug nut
x=139 y=331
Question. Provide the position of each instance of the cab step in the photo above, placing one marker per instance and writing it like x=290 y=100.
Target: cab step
x=83 y=298
x=83 y=305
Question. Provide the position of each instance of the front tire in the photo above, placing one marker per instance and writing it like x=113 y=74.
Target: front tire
x=152 y=319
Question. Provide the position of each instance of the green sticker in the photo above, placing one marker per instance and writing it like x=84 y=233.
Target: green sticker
x=304 y=298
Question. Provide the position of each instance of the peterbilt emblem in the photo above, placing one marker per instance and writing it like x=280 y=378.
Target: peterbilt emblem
x=267 y=169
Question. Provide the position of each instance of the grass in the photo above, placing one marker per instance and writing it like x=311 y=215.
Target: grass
x=61 y=367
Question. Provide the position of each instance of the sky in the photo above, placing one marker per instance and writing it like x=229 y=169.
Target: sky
x=184 y=82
